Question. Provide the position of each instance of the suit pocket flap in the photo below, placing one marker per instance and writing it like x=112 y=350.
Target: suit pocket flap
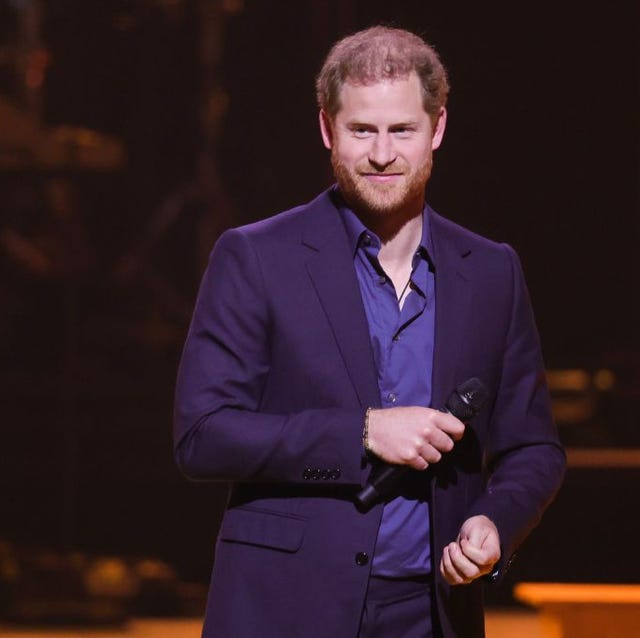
x=262 y=527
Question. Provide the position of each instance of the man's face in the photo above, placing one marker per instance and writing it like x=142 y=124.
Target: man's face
x=381 y=143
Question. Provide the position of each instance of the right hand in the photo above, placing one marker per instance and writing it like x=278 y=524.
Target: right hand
x=412 y=436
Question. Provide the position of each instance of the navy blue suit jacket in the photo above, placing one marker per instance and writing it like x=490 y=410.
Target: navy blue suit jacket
x=276 y=375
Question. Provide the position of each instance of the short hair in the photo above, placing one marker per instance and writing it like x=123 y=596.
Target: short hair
x=382 y=53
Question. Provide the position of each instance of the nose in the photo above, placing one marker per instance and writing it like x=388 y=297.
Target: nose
x=382 y=153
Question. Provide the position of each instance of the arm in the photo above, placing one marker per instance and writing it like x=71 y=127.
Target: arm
x=221 y=430
x=524 y=456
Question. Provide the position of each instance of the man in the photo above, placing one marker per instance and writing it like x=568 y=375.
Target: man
x=319 y=340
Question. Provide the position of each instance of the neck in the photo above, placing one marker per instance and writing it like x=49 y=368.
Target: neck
x=396 y=252
x=398 y=247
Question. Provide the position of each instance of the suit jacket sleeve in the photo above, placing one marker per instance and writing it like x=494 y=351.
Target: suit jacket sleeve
x=524 y=457
x=221 y=430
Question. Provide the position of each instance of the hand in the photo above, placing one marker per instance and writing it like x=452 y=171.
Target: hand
x=412 y=436
x=473 y=554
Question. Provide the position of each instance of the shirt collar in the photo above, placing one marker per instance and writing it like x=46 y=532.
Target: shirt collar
x=356 y=230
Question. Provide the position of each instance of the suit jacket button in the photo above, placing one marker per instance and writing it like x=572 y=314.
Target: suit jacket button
x=306 y=475
x=335 y=474
x=324 y=475
x=362 y=558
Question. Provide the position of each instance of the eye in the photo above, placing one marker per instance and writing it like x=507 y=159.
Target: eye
x=361 y=131
x=403 y=131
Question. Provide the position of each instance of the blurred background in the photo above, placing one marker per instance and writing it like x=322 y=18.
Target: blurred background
x=132 y=132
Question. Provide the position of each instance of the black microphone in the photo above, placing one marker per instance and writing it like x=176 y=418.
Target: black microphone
x=463 y=403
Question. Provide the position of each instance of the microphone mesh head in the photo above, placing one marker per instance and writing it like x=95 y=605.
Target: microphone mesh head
x=467 y=399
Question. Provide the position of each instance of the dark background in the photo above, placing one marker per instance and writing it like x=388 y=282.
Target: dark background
x=214 y=105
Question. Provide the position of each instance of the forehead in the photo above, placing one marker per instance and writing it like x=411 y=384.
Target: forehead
x=401 y=97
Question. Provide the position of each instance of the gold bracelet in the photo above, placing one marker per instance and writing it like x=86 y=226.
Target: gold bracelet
x=365 y=431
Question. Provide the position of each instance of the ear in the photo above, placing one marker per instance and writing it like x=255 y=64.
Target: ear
x=438 y=131
x=326 y=129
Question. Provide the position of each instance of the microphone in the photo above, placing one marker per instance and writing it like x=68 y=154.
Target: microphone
x=463 y=403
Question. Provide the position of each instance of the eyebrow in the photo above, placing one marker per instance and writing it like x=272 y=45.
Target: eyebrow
x=359 y=124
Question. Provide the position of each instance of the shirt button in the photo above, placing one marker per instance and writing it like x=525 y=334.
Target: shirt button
x=362 y=558
x=382 y=279
x=366 y=240
x=392 y=397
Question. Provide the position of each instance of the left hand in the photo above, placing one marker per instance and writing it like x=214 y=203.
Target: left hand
x=473 y=554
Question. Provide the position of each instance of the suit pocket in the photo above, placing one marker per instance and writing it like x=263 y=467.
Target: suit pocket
x=263 y=528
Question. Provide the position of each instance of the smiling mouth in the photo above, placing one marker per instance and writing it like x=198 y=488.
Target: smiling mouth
x=384 y=180
x=381 y=177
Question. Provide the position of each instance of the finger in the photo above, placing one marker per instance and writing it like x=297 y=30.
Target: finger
x=485 y=556
x=480 y=536
x=475 y=554
x=449 y=424
x=438 y=439
x=476 y=533
x=419 y=463
x=429 y=453
x=462 y=564
x=448 y=571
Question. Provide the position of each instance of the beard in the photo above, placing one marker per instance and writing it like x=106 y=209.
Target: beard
x=381 y=199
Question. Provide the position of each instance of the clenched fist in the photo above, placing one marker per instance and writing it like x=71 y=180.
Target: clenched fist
x=412 y=436
x=473 y=554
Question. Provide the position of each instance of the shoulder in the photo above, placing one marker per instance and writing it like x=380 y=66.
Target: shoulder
x=481 y=258
x=443 y=229
x=447 y=233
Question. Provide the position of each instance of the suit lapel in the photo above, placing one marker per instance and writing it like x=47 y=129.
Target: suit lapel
x=330 y=266
x=452 y=306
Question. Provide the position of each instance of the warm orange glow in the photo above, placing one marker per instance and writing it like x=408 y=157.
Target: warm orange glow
x=604 y=379
x=603 y=457
x=540 y=594
x=570 y=379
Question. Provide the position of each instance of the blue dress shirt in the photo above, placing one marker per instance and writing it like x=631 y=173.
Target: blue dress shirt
x=402 y=338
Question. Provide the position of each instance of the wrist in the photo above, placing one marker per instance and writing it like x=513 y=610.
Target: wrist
x=365 y=432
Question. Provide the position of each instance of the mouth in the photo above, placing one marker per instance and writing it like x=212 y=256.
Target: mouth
x=382 y=178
